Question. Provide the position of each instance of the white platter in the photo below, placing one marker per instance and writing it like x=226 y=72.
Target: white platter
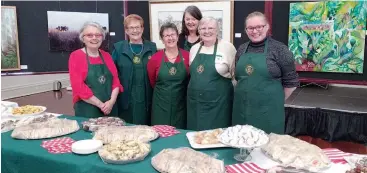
x=88 y=146
x=26 y=115
x=191 y=137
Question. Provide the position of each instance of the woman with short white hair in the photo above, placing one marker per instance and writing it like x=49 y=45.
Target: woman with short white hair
x=93 y=75
x=210 y=90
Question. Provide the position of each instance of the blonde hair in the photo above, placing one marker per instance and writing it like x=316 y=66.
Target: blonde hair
x=256 y=14
x=132 y=17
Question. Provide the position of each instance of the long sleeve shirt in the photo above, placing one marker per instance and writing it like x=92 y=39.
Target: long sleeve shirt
x=154 y=64
x=78 y=70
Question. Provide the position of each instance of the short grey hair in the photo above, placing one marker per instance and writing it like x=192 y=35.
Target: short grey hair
x=94 y=24
x=208 y=19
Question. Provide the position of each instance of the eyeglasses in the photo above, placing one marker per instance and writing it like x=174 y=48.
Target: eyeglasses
x=132 y=28
x=168 y=36
x=93 y=35
x=258 y=28
x=210 y=29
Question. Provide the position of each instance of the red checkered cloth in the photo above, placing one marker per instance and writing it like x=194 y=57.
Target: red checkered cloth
x=336 y=155
x=58 y=145
x=165 y=130
x=247 y=167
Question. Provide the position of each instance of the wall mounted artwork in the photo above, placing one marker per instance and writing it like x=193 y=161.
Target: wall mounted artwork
x=162 y=11
x=63 y=29
x=9 y=39
x=328 y=36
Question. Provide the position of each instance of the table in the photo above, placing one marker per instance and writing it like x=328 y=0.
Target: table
x=23 y=156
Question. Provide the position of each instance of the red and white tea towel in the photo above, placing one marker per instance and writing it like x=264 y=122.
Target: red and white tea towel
x=247 y=167
x=336 y=155
x=165 y=130
x=58 y=145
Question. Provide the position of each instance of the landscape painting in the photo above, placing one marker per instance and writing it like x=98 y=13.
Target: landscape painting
x=162 y=12
x=328 y=36
x=9 y=39
x=64 y=27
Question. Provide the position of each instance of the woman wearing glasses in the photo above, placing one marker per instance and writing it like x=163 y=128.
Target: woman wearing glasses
x=266 y=76
x=93 y=75
x=210 y=90
x=189 y=34
x=168 y=74
x=131 y=57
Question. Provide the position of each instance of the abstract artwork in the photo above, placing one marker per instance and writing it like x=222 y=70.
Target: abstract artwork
x=172 y=11
x=9 y=39
x=63 y=29
x=328 y=36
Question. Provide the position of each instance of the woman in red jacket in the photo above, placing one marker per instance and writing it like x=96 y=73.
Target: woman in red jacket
x=168 y=72
x=93 y=75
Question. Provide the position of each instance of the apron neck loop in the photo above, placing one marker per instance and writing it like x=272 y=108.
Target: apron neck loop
x=99 y=53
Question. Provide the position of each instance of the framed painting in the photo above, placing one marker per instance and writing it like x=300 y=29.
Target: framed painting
x=328 y=36
x=63 y=29
x=10 y=60
x=162 y=11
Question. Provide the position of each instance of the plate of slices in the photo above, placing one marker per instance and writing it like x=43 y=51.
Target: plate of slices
x=26 y=111
x=205 y=139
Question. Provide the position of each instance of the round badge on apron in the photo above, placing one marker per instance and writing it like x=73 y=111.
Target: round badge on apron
x=136 y=60
x=200 y=69
x=249 y=69
x=172 y=71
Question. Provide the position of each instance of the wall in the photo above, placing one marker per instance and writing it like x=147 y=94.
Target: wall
x=34 y=43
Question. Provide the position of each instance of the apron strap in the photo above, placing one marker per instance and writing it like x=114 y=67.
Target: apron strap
x=215 y=48
x=100 y=55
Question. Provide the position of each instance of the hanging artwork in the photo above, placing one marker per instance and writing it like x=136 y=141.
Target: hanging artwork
x=162 y=11
x=9 y=39
x=63 y=29
x=328 y=36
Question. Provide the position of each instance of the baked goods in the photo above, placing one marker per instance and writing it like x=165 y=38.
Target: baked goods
x=208 y=137
x=27 y=109
x=37 y=119
x=8 y=125
x=244 y=136
x=52 y=128
x=360 y=166
x=184 y=159
x=124 y=151
x=113 y=133
x=94 y=124
x=295 y=153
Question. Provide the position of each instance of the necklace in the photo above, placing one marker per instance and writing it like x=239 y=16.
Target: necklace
x=136 y=58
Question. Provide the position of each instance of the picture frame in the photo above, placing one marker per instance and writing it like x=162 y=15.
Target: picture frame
x=161 y=11
x=10 y=58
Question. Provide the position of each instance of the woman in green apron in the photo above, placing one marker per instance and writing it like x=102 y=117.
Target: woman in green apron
x=210 y=90
x=189 y=34
x=131 y=57
x=93 y=75
x=168 y=74
x=266 y=76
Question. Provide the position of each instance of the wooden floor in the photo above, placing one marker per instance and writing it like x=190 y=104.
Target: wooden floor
x=61 y=102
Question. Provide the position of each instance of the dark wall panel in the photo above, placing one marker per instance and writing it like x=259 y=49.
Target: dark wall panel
x=280 y=32
x=32 y=30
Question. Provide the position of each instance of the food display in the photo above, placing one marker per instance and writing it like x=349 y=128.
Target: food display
x=37 y=119
x=186 y=160
x=244 y=136
x=28 y=109
x=120 y=152
x=295 y=153
x=52 y=128
x=7 y=125
x=208 y=137
x=360 y=166
x=94 y=124
x=112 y=133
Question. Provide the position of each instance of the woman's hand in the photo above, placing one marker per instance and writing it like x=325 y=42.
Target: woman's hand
x=107 y=107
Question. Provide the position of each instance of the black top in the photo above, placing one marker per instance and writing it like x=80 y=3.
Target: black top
x=181 y=41
x=279 y=60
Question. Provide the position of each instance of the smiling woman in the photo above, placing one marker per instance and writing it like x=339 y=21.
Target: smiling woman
x=93 y=75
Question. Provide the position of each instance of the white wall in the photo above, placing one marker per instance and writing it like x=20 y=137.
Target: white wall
x=17 y=86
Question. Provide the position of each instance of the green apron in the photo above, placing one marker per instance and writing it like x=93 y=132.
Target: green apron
x=99 y=80
x=209 y=94
x=169 y=95
x=258 y=98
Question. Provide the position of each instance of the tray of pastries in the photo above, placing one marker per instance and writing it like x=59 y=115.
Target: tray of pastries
x=8 y=125
x=186 y=160
x=295 y=154
x=205 y=139
x=94 y=124
x=27 y=110
x=48 y=129
x=122 y=152
x=114 y=133
x=244 y=136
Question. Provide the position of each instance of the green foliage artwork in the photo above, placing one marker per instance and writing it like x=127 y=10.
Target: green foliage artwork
x=9 y=39
x=328 y=36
